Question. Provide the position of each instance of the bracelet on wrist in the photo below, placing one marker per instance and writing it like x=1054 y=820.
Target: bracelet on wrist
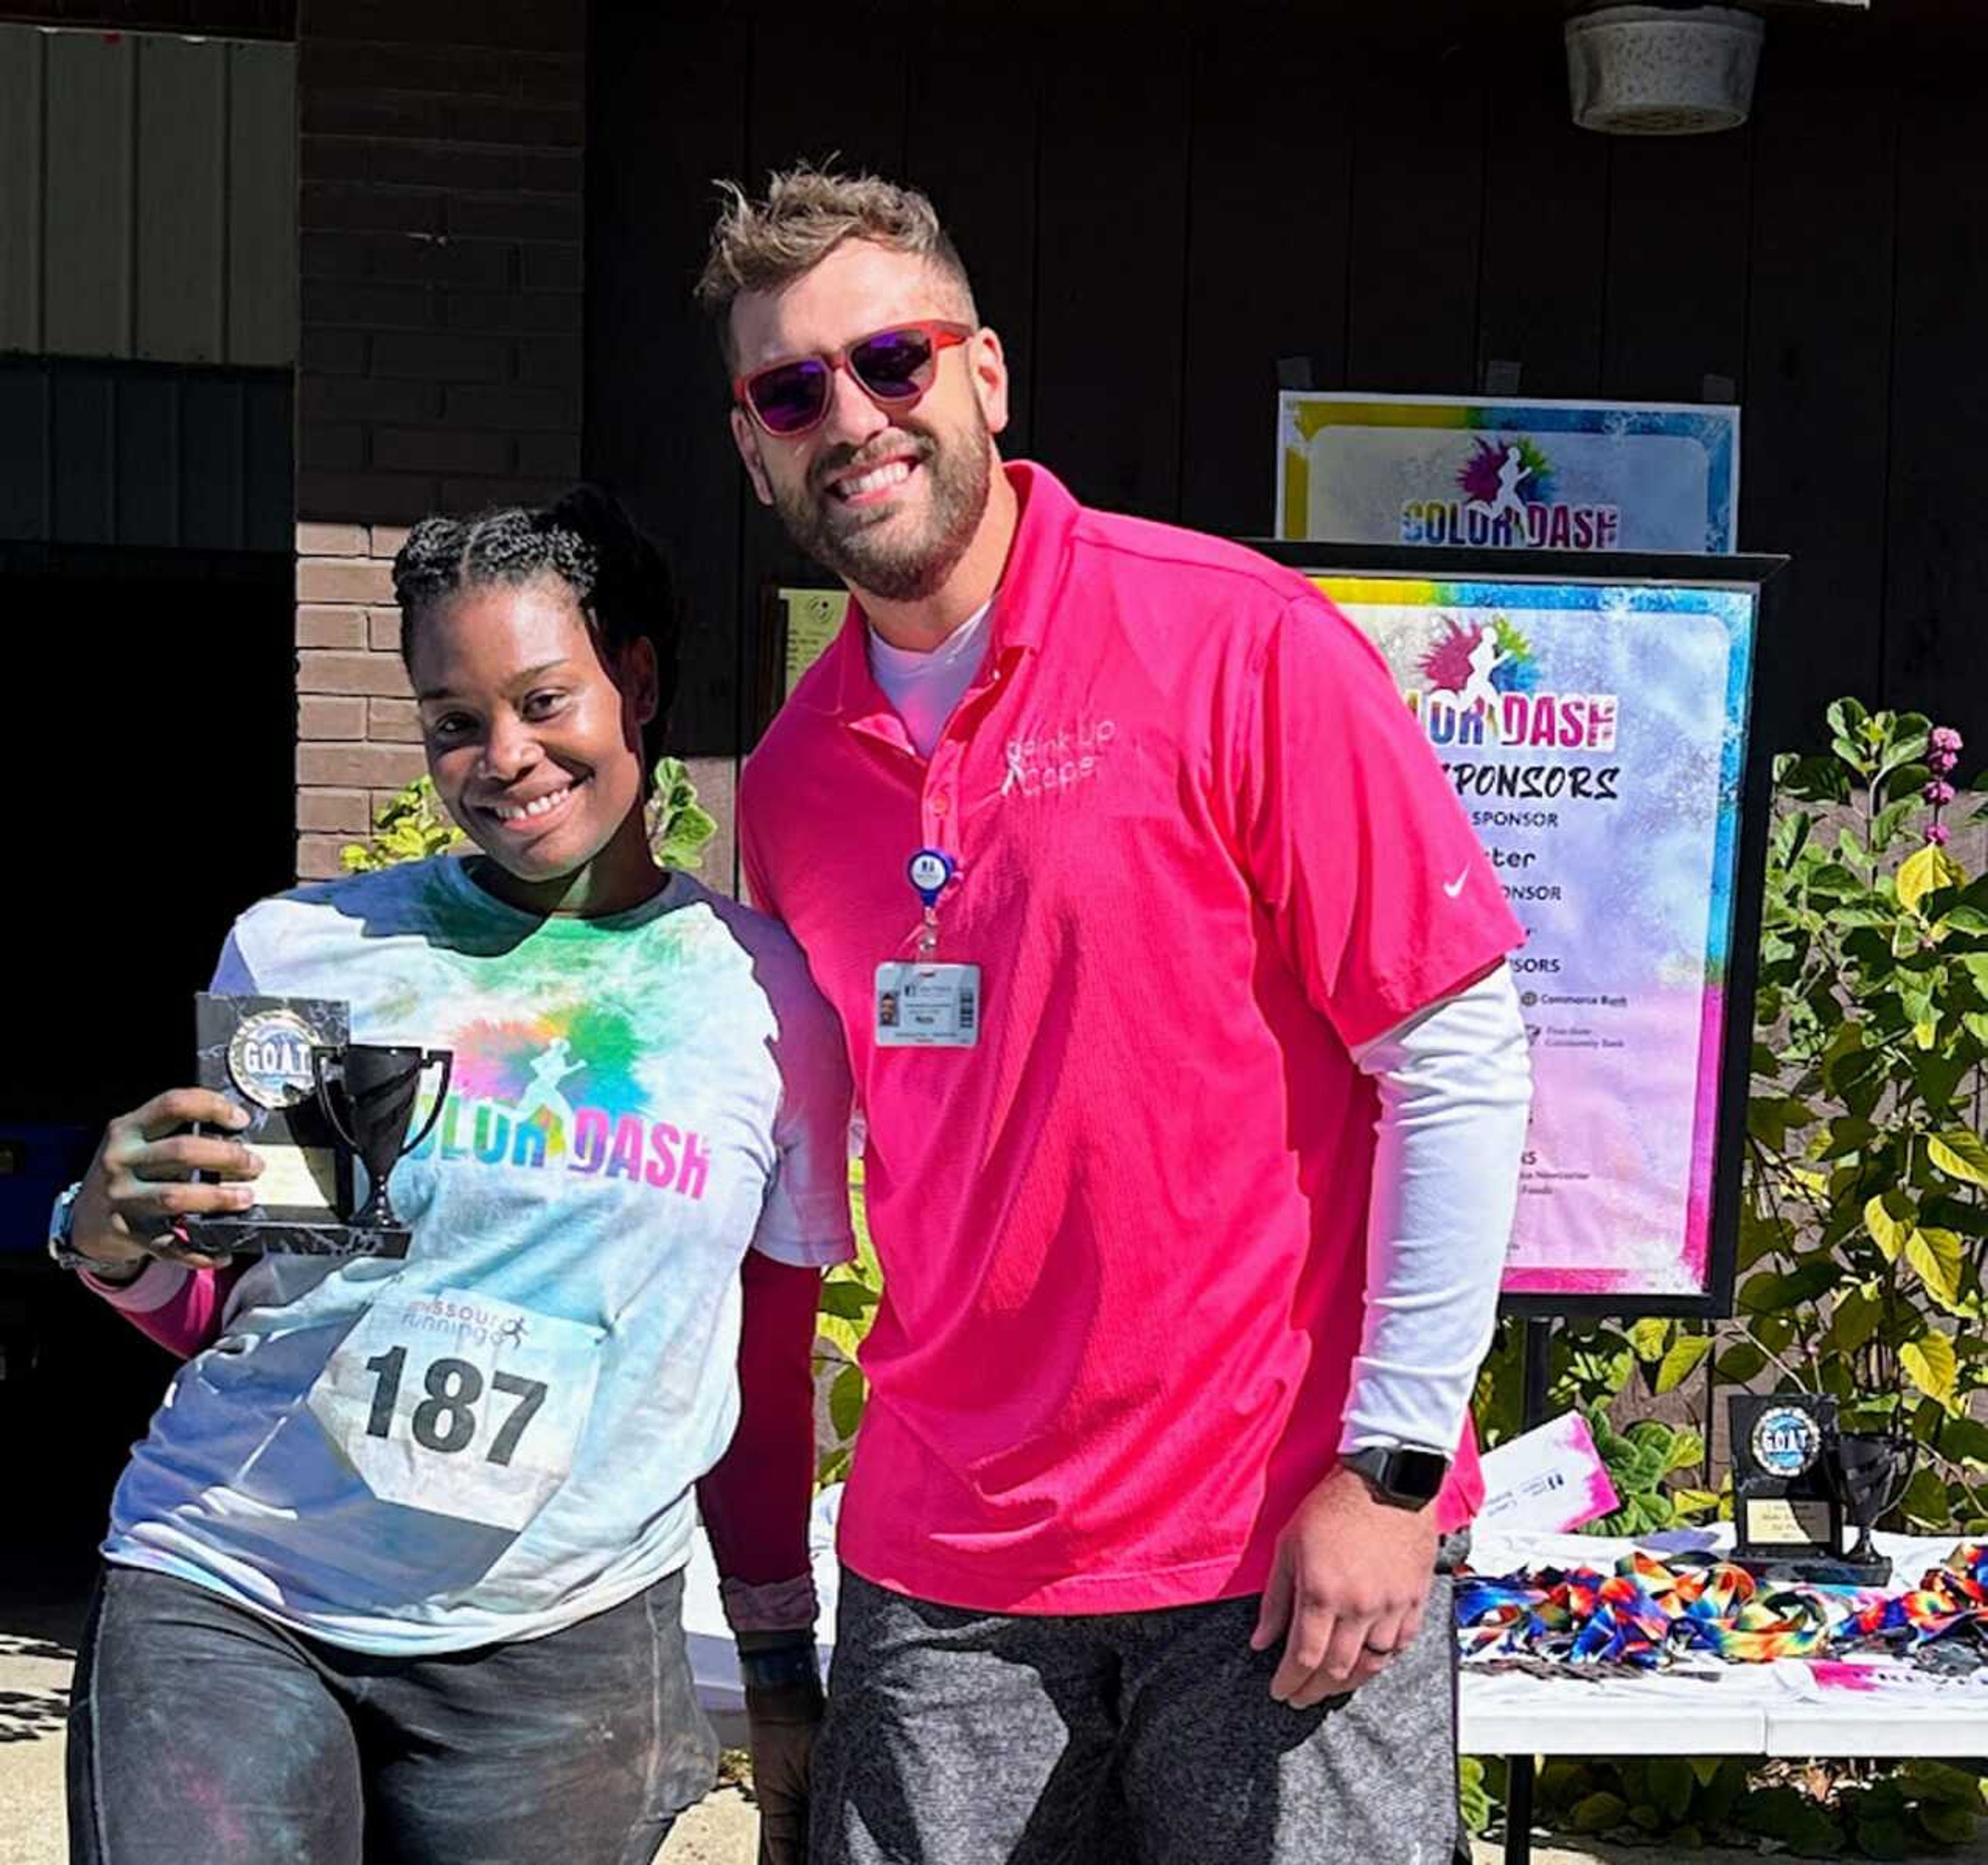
x=779 y=1667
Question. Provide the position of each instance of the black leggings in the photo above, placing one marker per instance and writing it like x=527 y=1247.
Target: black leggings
x=202 y=1732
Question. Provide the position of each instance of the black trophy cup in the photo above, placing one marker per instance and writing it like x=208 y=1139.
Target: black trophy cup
x=377 y=1083
x=1870 y=1471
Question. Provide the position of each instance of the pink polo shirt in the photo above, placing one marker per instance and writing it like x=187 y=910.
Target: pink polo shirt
x=1203 y=850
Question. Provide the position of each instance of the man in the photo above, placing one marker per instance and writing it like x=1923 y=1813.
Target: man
x=1191 y=1141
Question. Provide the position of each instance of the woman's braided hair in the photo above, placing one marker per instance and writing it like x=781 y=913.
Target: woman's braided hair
x=618 y=578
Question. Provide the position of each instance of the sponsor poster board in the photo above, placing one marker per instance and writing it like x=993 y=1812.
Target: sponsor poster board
x=1485 y=475
x=1598 y=732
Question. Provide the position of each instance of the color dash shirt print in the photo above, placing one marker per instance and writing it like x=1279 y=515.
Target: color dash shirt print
x=497 y=1436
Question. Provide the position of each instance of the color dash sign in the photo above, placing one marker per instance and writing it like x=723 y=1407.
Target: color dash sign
x=1507 y=475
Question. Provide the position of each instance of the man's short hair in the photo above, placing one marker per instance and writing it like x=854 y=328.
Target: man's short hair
x=763 y=245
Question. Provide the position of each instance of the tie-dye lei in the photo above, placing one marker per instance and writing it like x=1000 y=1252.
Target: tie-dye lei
x=1650 y=1610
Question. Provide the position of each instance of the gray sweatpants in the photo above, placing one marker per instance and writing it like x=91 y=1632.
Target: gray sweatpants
x=1122 y=1738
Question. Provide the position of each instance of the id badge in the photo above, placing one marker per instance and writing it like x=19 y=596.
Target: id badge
x=460 y=1404
x=927 y=1006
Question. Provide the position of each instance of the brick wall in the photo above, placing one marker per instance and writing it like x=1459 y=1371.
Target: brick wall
x=439 y=368
x=357 y=741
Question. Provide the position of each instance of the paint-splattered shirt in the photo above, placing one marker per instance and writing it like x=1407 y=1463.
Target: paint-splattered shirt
x=497 y=1436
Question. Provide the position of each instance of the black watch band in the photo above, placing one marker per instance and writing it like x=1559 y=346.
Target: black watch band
x=1400 y=1474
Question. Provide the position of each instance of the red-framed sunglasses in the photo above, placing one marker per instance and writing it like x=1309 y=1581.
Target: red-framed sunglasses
x=893 y=367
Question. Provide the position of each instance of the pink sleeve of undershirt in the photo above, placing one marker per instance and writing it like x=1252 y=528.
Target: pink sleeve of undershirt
x=754 y=1501
x=179 y=1307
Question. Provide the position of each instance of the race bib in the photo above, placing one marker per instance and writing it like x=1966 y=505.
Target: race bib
x=460 y=1404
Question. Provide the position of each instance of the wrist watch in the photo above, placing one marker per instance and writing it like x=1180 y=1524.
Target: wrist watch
x=62 y=1226
x=64 y=1255
x=1403 y=1475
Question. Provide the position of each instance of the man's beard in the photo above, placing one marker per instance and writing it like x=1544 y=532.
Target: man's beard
x=897 y=563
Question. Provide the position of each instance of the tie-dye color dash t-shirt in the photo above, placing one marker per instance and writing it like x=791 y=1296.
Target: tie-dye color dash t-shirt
x=497 y=1435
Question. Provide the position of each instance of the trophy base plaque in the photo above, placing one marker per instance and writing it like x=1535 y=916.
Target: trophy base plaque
x=1820 y=1570
x=240 y=1235
x=257 y=1052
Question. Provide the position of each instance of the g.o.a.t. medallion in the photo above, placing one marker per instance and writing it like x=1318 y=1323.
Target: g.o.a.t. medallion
x=1786 y=1441
x=269 y=1057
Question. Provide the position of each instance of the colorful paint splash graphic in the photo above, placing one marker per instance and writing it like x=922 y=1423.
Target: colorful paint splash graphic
x=1499 y=655
x=539 y=1070
x=1482 y=478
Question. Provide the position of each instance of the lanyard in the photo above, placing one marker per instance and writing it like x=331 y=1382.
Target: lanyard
x=1648 y=1611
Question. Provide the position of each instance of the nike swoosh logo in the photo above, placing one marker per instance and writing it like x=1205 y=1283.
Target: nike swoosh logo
x=1453 y=888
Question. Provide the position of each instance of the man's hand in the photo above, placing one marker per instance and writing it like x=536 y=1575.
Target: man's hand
x=1346 y=1591
x=784 y=1721
x=140 y=1185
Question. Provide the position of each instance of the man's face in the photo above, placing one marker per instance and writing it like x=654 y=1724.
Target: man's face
x=889 y=498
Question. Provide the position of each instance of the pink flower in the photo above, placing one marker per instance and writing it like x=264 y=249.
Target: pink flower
x=1942 y=762
x=1939 y=791
x=1937 y=834
x=1945 y=739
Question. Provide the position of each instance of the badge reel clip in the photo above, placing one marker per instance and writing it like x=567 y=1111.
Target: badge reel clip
x=921 y=1003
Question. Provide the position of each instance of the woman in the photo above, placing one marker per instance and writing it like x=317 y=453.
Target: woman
x=396 y=1573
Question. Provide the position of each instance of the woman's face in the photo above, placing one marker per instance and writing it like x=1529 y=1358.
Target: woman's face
x=534 y=743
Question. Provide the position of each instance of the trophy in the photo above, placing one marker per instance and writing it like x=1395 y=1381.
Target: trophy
x=316 y=1102
x=1794 y=1475
x=377 y=1082
x=1871 y=1470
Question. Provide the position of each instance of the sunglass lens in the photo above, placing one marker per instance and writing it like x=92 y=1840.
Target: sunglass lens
x=894 y=365
x=790 y=397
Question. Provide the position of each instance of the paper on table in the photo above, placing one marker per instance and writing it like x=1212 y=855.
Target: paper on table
x=1551 y=1479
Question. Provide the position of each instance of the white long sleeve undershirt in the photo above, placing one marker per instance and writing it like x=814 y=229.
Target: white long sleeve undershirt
x=1456 y=1089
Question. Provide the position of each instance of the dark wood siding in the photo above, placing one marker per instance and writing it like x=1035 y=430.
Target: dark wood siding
x=1163 y=209
x=145 y=454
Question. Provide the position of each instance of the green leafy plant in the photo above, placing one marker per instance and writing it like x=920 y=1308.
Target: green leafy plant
x=411 y=825
x=1865 y=1229
x=850 y=1293
x=1862 y=1246
x=1641 y=1462
x=1810 y=1809
x=1591 y=1364
x=679 y=825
